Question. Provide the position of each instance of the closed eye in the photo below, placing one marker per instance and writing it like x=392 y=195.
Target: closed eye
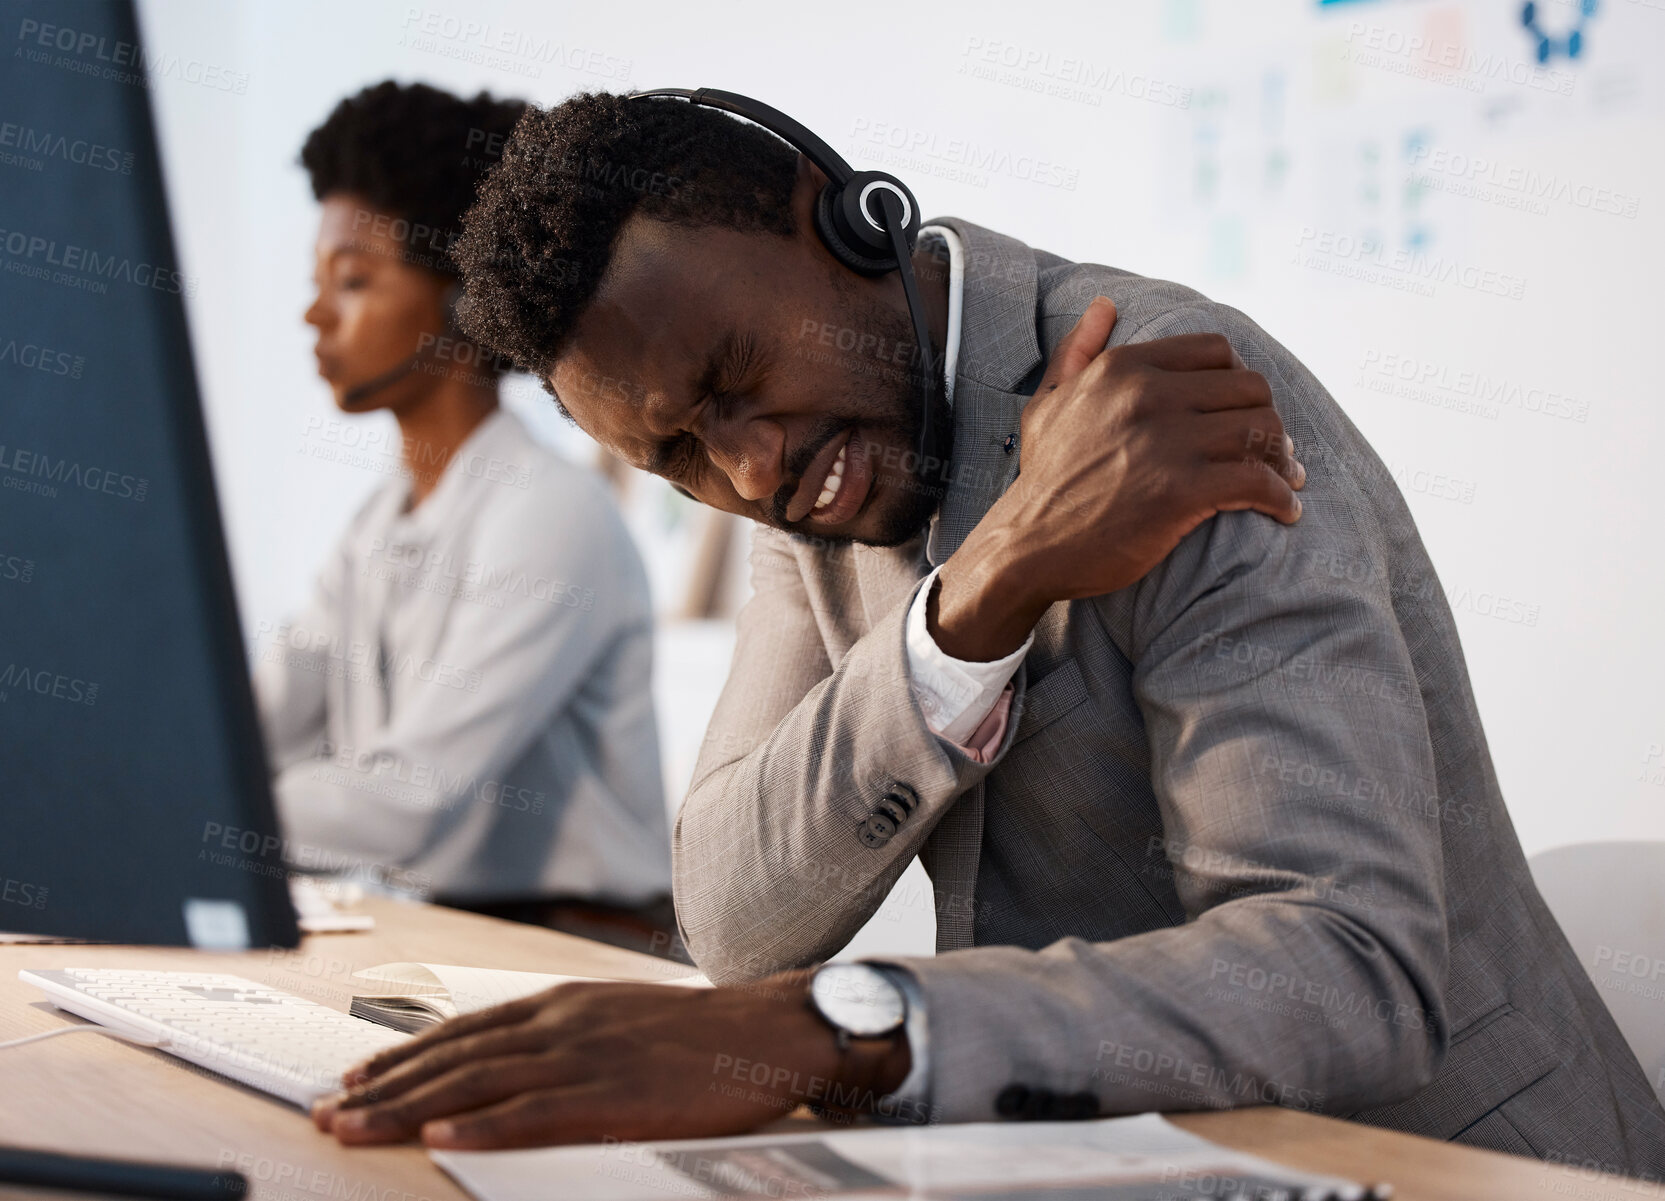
x=676 y=458
x=725 y=379
x=737 y=363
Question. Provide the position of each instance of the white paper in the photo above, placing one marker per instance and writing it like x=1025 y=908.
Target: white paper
x=318 y=909
x=451 y=989
x=949 y=1161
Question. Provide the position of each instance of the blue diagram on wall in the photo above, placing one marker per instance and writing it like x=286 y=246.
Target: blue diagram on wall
x=1570 y=44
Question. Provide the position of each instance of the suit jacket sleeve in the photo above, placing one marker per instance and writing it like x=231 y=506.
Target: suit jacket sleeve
x=1292 y=765
x=771 y=866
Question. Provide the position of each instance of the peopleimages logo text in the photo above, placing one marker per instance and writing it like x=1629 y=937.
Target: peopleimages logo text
x=27 y=140
x=95 y=55
x=88 y=262
x=35 y=471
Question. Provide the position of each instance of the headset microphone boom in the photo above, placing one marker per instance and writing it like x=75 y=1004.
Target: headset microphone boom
x=425 y=349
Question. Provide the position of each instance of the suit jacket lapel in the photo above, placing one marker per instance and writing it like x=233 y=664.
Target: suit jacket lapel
x=981 y=469
x=998 y=349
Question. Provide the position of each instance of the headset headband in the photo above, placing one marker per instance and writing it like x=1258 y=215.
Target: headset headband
x=832 y=164
x=865 y=241
x=850 y=213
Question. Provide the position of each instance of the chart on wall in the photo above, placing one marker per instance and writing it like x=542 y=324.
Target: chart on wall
x=1391 y=126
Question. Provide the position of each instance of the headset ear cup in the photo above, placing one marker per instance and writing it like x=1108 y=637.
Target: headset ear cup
x=826 y=205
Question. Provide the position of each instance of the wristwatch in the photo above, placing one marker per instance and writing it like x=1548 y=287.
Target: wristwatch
x=857 y=1000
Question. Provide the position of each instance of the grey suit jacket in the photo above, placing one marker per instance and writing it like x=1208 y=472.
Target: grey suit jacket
x=1242 y=841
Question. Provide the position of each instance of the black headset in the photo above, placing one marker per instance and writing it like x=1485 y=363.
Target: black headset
x=869 y=220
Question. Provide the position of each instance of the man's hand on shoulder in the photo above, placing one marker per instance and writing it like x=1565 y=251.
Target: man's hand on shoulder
x=1124 y=452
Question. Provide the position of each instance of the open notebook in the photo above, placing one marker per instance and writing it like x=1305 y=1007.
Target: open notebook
x=414 y=996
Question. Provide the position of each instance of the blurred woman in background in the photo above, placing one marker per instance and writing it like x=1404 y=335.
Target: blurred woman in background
x=463 y=710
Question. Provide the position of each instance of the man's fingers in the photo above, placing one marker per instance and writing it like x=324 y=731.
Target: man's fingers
x=1255 y=433
x=1217 y=389
x=438 y=1060
x=468 y=1023
x=458 y=1091
x=1250 y=484
x=1184 y=352
x=1081 y=345
x=535 y=1119
x=1291 y=468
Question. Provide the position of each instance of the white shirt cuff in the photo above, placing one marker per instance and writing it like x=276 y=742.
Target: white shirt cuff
x=955 y=695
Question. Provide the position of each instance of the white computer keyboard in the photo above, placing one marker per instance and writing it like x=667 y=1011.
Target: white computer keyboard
x=260 y=1036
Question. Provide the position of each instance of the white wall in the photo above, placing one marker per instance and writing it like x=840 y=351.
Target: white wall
x=1249 y=150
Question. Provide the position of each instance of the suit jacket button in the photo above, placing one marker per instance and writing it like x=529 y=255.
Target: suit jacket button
x=1078 y=1107
x=889 y=808
x=903 y=795
x=877 y=830
x=1012 y=1101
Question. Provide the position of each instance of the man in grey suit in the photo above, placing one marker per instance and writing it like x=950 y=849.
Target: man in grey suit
x=1204 y=797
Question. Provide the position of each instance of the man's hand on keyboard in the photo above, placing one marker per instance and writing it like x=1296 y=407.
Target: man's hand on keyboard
x=632 y=1061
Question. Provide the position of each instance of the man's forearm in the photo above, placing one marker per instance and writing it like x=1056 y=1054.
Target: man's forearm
x=781 y=854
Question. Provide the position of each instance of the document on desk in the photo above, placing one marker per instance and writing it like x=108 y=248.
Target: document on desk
x=324 y=907
x=1121 y=1158
x=414 y=996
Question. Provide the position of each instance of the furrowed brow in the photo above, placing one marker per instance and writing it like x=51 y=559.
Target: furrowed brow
x=659 y=459
x=717 y=370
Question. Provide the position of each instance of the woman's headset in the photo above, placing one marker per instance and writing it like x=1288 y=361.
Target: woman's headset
x=868 y=220
x=424 y=350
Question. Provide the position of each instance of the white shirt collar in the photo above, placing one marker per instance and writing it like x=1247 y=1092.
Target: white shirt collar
x=956 y=301
x=956 y=309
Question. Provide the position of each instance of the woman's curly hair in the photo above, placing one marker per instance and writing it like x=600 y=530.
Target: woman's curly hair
x=412 y=151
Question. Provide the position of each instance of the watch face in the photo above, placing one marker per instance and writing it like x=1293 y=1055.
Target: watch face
x=859 y=999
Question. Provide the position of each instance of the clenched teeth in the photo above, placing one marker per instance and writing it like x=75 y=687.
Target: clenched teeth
x=835 y=477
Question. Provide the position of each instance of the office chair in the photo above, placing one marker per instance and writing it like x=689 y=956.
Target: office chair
x=1610 y=899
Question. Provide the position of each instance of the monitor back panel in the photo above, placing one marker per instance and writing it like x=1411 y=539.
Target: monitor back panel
x=134 y=799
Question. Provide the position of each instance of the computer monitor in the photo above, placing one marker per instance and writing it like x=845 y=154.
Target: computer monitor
x=135 y=803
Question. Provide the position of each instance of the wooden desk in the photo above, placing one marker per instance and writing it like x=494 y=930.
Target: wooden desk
x=95 y=1096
